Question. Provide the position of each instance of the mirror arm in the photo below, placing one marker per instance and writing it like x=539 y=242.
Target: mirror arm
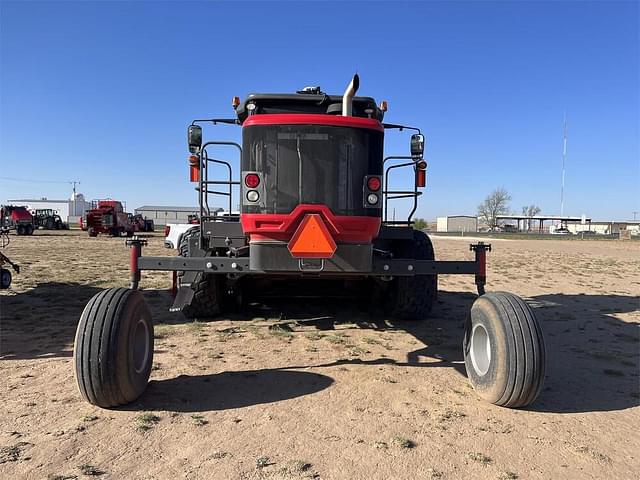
x=215 y=121
x=401 y=127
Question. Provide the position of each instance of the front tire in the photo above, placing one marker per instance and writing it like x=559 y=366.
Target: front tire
x=504 y=351
x=207 y=290
x=113 y=350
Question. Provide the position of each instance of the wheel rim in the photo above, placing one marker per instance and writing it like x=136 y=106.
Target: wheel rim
x=140 y=346
x=480 y=350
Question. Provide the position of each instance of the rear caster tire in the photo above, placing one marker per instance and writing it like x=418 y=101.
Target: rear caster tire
x=504 y=352
x=5 y=278
x=113 y=350
x=412 y=298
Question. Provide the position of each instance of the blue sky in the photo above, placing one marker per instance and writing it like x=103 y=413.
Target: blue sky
x=103 y=91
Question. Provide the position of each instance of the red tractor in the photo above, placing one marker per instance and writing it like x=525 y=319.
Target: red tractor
x=108 y=216
x=313 y=193
x=17 y=218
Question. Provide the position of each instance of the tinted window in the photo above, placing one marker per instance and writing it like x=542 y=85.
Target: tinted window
x=313 y=164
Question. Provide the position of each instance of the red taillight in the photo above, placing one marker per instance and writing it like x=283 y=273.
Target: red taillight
x=373 y=184
x=252 y=180
x=167 y=229
x=194 y=173
x=421 y=178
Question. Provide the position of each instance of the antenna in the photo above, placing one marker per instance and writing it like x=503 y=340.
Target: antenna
x=564 y=158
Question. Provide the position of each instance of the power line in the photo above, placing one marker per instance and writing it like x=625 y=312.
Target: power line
x=14 y=179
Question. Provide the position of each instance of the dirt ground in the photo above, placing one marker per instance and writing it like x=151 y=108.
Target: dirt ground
x=322 y=389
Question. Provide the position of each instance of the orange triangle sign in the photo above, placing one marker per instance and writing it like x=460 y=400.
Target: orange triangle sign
x=312 y=239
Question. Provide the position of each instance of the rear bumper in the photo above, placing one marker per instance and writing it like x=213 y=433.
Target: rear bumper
x=276 y=257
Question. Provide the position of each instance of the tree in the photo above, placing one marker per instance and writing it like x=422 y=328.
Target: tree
x=530 y=211
x=420 y=224
x=497 y=203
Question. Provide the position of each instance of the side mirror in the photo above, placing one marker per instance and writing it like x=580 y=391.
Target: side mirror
x=417 y=145
x=195 y=138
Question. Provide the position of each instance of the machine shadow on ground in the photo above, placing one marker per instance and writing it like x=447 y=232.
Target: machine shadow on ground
x=228 y=390
x=41 y=322
x=592 y=357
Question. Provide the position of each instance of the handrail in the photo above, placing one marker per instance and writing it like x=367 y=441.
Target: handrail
x=204 y=176
x=399 y=193
x=203 y=180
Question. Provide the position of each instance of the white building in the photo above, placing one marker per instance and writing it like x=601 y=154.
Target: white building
x=457 y=223
x=69 y=210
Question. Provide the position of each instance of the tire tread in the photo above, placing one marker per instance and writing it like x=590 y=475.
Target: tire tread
x=525 y=349
x=96 y=349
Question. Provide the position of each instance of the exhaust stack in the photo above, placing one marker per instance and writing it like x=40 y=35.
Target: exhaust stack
x=347 y=98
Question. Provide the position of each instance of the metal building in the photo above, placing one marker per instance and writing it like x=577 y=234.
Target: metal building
x=457 y=223
x=163 y=214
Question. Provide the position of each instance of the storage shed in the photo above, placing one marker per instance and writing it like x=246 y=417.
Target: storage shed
x=457 y=223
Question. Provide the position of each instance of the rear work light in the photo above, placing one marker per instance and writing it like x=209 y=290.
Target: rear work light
x=252 y=180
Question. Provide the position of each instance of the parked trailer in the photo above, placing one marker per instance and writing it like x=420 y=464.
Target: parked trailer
x=314 y=193
x=16 y=218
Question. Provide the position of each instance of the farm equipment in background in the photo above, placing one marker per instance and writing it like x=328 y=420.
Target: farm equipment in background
x=108 y=217
x=16 y=218
x=140 y=223
x=48 y=219
x=313 y=188
x=5 y=273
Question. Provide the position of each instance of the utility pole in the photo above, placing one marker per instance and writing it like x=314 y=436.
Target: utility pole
x=634 y=215
x=74 y=182
x=564 y=157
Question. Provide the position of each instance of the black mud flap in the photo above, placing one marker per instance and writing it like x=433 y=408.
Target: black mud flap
x=182 y=300
x=185 y=293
